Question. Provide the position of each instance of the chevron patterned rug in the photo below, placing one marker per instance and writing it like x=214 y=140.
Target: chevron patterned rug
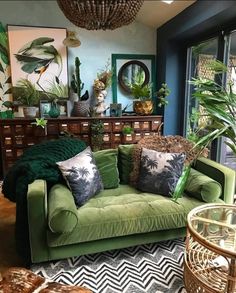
x=152 y=268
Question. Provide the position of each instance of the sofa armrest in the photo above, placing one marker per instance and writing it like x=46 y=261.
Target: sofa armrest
x=37 y=219
x=222 y=174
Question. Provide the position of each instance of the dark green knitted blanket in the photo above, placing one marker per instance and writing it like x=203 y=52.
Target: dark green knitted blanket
x=37 y=162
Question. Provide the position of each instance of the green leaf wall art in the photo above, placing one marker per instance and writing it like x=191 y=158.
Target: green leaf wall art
x=5 y=78
x=37 y=55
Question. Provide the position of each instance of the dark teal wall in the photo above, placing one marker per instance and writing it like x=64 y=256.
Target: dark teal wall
x=200 y=21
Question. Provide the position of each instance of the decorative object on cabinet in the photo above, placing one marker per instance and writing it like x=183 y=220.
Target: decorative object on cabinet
x=100 y=14
x=6 y=87
x=28 y=97
x=143 y=104
x=54 y=111
x=71 y=40
x=100 y=86
x=81 y=102
x=45 y=107
x=115 y=110
x=147 y=63
x=64 y=107
x=31 y=43
x=18 y=134
x=100 y=106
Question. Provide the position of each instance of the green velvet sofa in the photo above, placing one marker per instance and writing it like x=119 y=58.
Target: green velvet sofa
x=116 y=217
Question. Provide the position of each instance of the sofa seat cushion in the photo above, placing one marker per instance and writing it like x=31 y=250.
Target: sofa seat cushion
x=123 y=211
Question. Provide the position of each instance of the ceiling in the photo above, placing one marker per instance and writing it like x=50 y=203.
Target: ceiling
x=155 y=13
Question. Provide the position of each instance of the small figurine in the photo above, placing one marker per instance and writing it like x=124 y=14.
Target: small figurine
x=100 y=107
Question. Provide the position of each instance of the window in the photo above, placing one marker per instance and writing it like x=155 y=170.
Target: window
x=199 y=56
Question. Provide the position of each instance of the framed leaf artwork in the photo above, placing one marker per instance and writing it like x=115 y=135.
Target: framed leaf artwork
x=38 y=54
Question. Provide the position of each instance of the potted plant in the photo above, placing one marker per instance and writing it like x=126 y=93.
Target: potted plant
x=127 y=132
x=219 y=107
x=28 y=96
x=143 y=104
x=97 y=131
x=41 y=126
x=162 y=94
x=81 y=102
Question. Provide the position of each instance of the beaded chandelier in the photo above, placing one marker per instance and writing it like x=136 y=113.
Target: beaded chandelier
x=100 y=14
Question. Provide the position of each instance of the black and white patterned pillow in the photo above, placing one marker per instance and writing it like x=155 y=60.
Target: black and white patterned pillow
x=160 y=172
x=82 y=176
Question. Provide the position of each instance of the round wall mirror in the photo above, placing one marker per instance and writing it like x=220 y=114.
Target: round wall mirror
x=129 y=71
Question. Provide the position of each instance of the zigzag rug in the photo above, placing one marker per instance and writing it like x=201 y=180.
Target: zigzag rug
x=151 y=268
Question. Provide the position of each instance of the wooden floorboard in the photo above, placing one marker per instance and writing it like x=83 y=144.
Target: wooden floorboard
x=8 y=255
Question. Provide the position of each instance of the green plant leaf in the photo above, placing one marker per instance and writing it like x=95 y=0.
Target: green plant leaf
x=232 y=146
x=8 y=104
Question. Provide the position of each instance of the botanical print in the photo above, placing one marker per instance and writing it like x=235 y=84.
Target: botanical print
x=5 y=79
x=82 y=176
x=38 y=54
x=159 y=172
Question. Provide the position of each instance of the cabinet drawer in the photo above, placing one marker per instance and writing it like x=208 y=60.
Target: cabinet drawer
x=9 y=153
x=52 y=129
x=84 y=127
x=137 y=136
x=85 y=138
x=106 y=137
x=117 y=126
x=74 y=128
x=127 y=138
x=116 y=138
x=19 y=129
x=19 y=140
x=107 y=127
x=146 y=125
x=6 y=130
x=155 y=125
x=8 y=141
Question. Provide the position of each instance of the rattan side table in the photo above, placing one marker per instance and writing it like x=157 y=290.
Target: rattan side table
x=210 y=252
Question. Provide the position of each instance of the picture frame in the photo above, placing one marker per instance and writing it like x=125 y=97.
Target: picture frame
x=64 y=107
x=49 y=71
x=119 y=95
x=44 y=108
x=115 y=110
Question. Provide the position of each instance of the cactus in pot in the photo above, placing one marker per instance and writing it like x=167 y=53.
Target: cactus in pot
x=81 y=102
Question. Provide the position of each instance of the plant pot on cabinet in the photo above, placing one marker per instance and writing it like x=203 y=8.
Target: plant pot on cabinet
x=30 y=111
x=81 y=108
x=143 y=107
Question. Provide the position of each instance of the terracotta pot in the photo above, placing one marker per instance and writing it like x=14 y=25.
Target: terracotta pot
x=143 y=107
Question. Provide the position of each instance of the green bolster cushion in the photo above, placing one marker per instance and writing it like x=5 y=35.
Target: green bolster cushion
x=106 y=161
x=125 y=162
x=202 y=187
x=62 y=211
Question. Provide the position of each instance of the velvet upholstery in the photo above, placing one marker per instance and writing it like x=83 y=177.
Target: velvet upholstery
x=117 y=218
